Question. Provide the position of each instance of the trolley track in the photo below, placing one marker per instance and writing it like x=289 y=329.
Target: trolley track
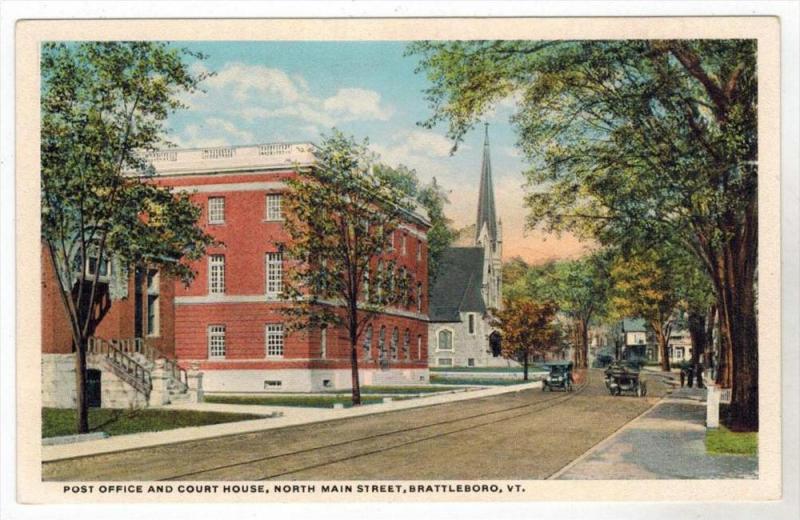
x=297 y=461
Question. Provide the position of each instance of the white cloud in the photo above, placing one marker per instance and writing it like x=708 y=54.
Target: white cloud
x=254 y=93
x=213 y=132
x=357 y=103
x=511 y=151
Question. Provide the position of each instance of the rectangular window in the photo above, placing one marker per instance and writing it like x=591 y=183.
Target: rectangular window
x=216 y=210
x=471 y=362
x=153 y=291
x=403 y=247
x=445 y=362
x=274 y=340
x=216 y=341
x=274 y=206
x=274 y=275
x=419 y=250
x=323 y=343
x=216 y=274
x=272 y=384
x=471 y=322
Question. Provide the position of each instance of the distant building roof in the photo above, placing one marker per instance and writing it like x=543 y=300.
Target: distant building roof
x=458 y=287
x=633 y=325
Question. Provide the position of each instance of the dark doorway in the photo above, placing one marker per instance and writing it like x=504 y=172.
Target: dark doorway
x=494 y=343
x=93 y=390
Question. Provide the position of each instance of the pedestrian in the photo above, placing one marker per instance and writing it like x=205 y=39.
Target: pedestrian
x=690 y=376
x=700 y=383
x=683 y=377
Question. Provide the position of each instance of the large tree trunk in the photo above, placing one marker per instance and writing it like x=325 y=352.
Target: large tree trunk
x=356 y=387
x=525 y=377
x=740 y=332
x=697 y=331
x=663 y=347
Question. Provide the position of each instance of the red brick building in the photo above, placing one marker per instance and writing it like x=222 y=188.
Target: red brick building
x=228 y=321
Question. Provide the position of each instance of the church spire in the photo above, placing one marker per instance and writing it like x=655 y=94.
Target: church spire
x=486 y=210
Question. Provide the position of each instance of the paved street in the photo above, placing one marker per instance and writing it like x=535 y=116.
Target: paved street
x=523 y=435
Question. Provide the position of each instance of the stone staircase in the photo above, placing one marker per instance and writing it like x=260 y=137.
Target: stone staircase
x=142 y=374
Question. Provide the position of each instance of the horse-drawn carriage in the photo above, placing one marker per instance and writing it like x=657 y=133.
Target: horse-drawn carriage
x=624 y=378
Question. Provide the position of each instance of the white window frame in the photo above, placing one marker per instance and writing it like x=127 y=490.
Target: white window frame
x=419 y=346
x=216 y=350
x=323 y=342
x=368 y=343
x=274 y=340
x=216 y=210
x=452 y=338
x=154 y=306
x=216 y=274
x=274 y=207
x=274 y=275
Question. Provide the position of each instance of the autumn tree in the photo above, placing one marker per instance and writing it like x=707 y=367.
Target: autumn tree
x=528 y=329
x=340 y=216
x=103 y=107
x=631 y=140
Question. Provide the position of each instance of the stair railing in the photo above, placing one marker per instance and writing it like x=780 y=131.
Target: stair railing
x=122 y=364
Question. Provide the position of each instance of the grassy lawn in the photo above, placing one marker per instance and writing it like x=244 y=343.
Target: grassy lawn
x=312 y=401
x=439 y=380
x=403 y=389
x=57 y=421
x=722 y=441
x=483 y=369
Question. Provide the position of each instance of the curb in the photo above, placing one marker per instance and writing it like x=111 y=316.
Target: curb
x=604 y=442
x=122 y=443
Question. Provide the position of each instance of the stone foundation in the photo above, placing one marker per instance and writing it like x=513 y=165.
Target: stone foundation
x=295 y=380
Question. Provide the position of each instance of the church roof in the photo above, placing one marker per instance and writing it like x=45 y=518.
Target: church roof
x=458 y=287
x=486 y=211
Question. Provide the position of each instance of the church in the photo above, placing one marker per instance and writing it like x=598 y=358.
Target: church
x=468 y=290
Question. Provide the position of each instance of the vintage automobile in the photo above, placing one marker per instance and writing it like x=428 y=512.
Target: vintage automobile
x=622 y=377
x=559 y=376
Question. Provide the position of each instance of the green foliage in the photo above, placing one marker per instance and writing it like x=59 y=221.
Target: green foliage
x=304 y=401
x=433 y=198
x=340 y=217
x=103 y=108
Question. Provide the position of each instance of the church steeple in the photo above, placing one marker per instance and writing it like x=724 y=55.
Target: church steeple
x=487 y=216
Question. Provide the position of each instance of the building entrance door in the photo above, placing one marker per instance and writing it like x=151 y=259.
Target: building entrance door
x=93 y=390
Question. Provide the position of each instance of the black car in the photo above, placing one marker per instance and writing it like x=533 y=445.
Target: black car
x=559 y=377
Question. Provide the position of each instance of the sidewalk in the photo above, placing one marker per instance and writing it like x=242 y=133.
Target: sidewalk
x=286 y=416
x=666 y=442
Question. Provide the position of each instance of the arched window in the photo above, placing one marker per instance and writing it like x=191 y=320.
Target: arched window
x=395 y=340
x=419 y=347
x=379 y=282
x=445 y=339
x=365 y=286
x=419 y=297
x=382 y=344
x=406 y=344
x=323 y=342
x=368 y=343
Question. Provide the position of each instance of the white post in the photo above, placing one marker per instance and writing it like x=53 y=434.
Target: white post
x=712 y=406
x=159 y=394
x=194 y=380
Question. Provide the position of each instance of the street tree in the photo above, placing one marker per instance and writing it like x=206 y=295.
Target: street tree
x=580 y=290
x=528 y=329
x=340 y=216
x=631 y=140
x=433 y=198
x=103 y=107
x=645 y=285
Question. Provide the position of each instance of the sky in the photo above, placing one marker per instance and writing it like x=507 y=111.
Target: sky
x=267 y=92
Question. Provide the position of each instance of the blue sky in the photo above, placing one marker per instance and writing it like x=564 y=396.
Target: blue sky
x=296 y=91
